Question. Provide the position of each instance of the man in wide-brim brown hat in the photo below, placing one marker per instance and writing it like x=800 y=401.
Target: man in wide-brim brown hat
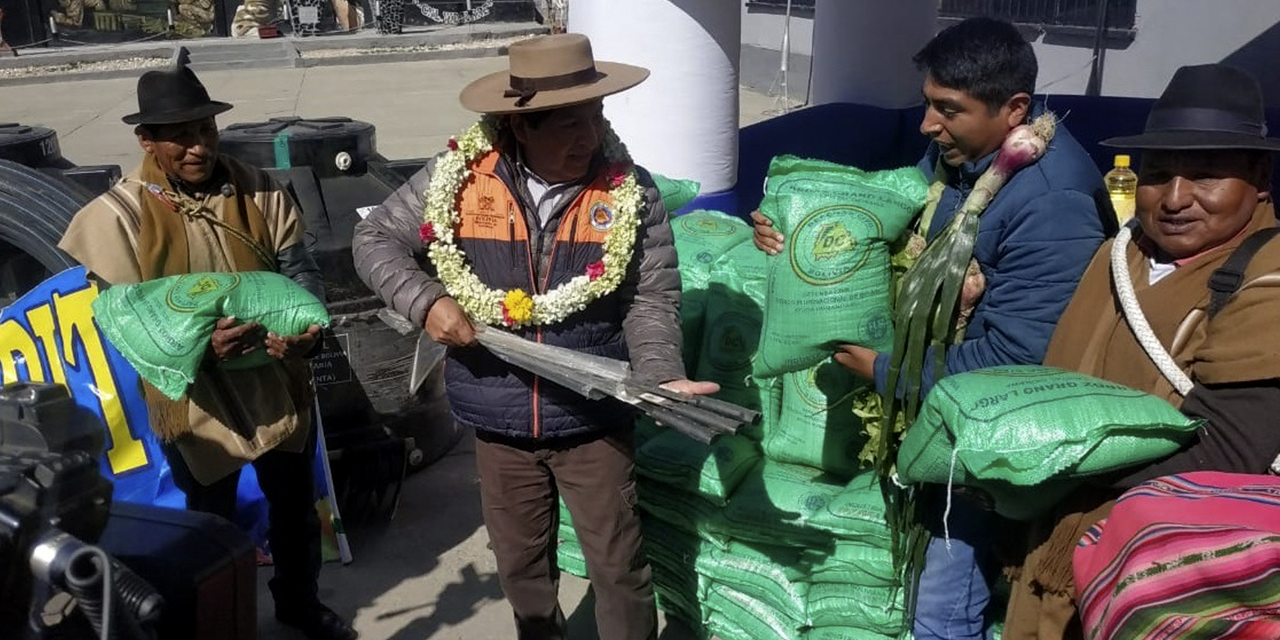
x=537 y=221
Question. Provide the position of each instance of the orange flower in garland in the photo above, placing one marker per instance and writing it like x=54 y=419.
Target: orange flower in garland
x=517 y=308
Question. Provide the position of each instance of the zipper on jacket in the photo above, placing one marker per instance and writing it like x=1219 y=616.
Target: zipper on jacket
x=511 y=229
x=533 y=285
x=537 y=427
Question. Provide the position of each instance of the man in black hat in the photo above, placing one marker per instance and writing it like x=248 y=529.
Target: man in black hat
x=1204 y=196
x=187 y=209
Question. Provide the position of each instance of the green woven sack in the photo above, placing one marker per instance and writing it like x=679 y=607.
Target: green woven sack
x=875 y=609
x=777 y=503
x=817 y=427
x=858 y=563
x=735 y=293
x=1024 y=425
x=163 y=326
x=712 y=471
x=734 y=613
x=847 y=633
x=762 y=580
x=856 y=512
x=675 y=192
x=832 y=283
x=701 y=237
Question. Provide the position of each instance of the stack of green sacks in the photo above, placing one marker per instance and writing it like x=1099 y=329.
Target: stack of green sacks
x=776 y=532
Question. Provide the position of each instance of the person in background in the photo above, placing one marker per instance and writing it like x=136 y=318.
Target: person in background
x=1034 y=241
x=188 y=209
x=533 y=196
x=1204 y=187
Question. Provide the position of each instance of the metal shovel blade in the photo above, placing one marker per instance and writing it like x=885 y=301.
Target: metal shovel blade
x=426 y=356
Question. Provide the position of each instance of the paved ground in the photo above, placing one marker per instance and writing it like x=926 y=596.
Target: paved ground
x=427 y=574
x=413 y=104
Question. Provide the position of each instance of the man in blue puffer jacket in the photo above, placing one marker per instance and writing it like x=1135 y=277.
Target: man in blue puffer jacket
x=1034 y=241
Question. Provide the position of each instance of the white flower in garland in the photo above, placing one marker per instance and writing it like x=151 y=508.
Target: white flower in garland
x=517 y=308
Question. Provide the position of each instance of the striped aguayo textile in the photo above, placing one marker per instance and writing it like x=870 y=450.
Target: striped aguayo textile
x=1194 y=555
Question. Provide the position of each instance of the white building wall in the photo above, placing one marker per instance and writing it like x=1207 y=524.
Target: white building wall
x=1170 y=34
x=764 y=30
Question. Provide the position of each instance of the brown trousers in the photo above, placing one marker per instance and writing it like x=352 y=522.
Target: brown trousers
x=520 y=482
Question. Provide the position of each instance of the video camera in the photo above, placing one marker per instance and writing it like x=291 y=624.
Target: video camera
x=54 y=505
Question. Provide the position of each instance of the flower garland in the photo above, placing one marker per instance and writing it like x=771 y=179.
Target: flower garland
x=517 y=308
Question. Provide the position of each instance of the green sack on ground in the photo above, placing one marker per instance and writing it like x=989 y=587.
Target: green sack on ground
x=711 y=471
x=852 y=562
x=675 y=192
x=760 y=578
x=163 y=326
x=687 y=512
x=734 y=612
x=856 y=512
x=672 y=553
x=776 y=504
x=1025 y=425
x=701 y=237
x=846 y=633
x=817 y=427
x=870 y=608
x=832 y=283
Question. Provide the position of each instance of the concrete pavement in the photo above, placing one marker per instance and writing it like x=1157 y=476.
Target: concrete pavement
x=427 y=574
x=414 y=105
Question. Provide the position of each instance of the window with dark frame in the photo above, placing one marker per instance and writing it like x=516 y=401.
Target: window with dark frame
x=1053 y=15
x=799 y=8
x=1045 y=13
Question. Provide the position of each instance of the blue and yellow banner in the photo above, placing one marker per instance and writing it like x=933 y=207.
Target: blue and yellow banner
x=48 y=335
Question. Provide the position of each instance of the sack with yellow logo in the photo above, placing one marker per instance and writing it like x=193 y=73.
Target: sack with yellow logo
x=163 y=326
x=831 y=283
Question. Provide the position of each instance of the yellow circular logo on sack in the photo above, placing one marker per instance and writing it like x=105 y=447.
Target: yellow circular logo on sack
x=825 y=247
x=706 y=226
x=192 y=291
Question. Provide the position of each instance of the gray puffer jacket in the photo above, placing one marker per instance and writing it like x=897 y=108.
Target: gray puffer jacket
x=639 y=321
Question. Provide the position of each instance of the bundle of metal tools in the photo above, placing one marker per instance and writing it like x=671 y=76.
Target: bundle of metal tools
x=699 y=417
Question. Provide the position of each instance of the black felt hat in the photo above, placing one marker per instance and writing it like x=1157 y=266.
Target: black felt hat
x=1209 y=106
x=173 y=95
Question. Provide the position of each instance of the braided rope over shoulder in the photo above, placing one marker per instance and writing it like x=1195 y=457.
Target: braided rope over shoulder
x=1137 y=321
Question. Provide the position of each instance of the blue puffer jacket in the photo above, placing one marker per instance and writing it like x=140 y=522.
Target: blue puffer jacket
x=1034 y=242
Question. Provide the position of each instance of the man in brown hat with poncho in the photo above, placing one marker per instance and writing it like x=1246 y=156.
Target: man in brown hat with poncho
x=187 y=209
x=537 y=221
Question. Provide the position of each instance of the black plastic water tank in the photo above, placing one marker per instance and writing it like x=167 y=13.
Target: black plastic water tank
x=333 y=171
x=329 y=146
x=34 y=147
